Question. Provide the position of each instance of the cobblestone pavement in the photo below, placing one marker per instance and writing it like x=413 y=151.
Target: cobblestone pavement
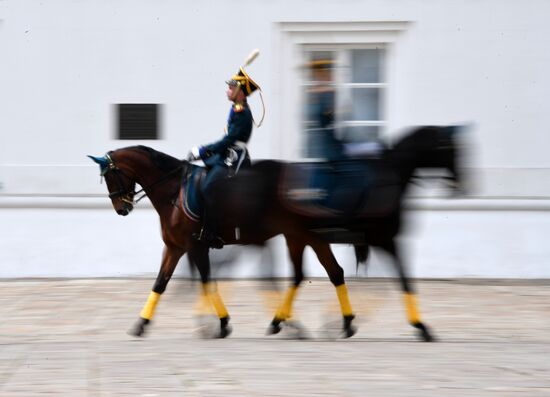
x=68 y=338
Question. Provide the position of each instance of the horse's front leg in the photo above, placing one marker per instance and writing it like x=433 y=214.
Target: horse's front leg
x=336 y=275
x=170 y=257
x=284 y=312
x=209 y=292
x=411 y=305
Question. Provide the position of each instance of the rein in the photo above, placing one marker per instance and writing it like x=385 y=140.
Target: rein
x=163 y=179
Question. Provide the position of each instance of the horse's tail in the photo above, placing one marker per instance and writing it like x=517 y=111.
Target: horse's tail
x=361 y=255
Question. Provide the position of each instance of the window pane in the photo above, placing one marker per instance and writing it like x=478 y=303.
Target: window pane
x=365 y=104
x=366 y=66
x=362 y=133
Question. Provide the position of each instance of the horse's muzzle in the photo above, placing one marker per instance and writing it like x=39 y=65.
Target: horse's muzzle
x=125 y=210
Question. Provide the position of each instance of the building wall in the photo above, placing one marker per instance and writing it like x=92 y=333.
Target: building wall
x=64 y=64
x=443 y=241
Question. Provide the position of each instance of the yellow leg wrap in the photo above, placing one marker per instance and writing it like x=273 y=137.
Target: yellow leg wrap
x=203 y=305
x=412 y=308
x=345 y=305
x=217 y=302
x=285 y=310
x=149 y=308
x=272 y=299
x=211 y=292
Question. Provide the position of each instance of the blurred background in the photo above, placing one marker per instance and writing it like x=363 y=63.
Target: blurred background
x=82 y=78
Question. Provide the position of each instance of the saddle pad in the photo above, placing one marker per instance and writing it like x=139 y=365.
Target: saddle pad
x=190 y=195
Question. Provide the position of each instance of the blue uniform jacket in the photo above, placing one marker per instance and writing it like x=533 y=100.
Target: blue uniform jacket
x=321 y=113
x=239 y=128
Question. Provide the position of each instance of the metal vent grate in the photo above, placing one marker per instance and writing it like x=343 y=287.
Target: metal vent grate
x=138 y=121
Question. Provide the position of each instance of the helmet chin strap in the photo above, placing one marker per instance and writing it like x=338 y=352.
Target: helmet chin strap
x=236 y=92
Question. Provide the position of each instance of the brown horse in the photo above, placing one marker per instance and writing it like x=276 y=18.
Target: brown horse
x=254 y=211
x=160 y=177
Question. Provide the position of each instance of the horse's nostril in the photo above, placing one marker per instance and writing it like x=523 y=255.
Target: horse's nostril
x=123 y=211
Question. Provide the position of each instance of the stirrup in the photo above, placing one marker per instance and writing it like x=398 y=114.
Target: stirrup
x=209 y=239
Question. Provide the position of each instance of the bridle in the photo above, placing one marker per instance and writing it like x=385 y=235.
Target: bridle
x=123 y=193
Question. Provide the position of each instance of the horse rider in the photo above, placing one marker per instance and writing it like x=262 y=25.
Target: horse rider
x=321 y=111
x=321 y=116
x=225 y=157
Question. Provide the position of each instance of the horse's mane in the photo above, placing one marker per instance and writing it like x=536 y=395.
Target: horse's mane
x=418 y=138
x=428 y=137
x=162 y=160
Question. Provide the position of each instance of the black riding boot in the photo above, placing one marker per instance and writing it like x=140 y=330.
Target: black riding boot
x=209 y=232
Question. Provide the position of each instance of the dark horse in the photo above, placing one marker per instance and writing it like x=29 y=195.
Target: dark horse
x=255 y=209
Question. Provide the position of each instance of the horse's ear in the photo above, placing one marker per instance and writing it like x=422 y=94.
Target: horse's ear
x=458 y=129
x=102 y=161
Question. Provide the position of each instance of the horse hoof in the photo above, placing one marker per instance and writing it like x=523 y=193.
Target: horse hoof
x=225 y=332
x=424 y=333
x=275 y=327
x=349 y=330
x=139 y=328
x=225 y=328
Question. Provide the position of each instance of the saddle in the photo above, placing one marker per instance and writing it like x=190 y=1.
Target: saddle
x=339 y=190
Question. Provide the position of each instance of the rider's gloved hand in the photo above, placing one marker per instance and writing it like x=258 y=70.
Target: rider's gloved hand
x=194 y=154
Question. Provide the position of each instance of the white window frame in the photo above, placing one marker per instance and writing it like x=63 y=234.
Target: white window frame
x=293 y=37
x=344 y=86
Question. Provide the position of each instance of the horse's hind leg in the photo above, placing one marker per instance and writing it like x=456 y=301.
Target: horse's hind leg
x=336 y=276
x=411 y=305
x=170 y=258
x=270 y=290
x=284 y=312
x=199 y=256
